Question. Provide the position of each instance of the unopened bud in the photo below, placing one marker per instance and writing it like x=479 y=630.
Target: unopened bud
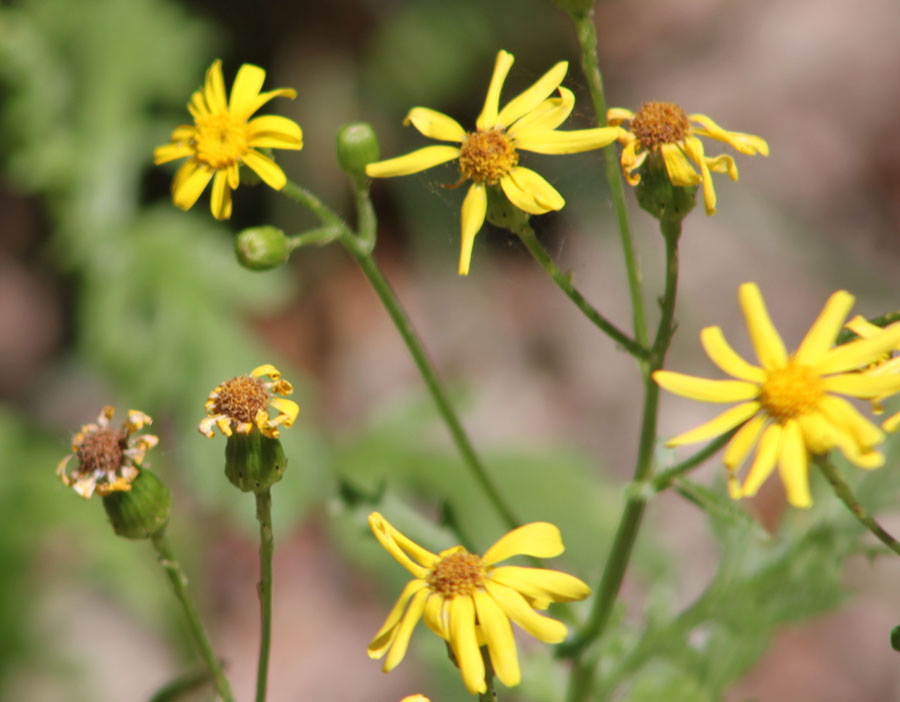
x=357 y=146
x=261 y=248
x=142 y=511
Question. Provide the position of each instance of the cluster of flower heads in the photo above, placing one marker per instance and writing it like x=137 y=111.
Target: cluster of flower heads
x=790 y=405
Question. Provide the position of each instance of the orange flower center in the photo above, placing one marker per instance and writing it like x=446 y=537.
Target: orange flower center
x=659 y=123
x=102 y=450
x=220 y=140
x=487 y=156
x=457 y=574
x=241 y=399
x=791 y=392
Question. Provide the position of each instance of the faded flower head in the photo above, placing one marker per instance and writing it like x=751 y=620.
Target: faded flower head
x=242 y=403
x=663 y=130
x=108 y=459
x=223 y=137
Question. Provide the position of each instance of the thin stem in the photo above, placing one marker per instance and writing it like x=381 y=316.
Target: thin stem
x=264 y=588
x=843 y=491
x=489 y=695
x=314 y=237
x=361 y=250
x=179 y=584
x=564 y=282
x=663 y=480
x=587 y=40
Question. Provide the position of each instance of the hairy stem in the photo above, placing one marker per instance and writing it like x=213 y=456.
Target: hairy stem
x=264 y=588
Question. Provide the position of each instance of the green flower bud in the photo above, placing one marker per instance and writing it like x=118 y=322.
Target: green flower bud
x=656 y=194
x=261 y=248
x=253 y=462
x=357 y=146
x=142 y=511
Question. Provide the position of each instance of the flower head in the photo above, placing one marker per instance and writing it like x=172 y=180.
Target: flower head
x=242 y=403
x=662 y=129
x=489 y=155
x=469 y=601
x=223 y=137
x=887 y=364
x=789 y=404
x=108 y=459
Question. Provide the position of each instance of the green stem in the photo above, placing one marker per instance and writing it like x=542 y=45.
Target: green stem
x=527 y=235
x=264 y=588
x=489 y=695
x=179 y=584
x=587 y=40
x=630 y=523
x=361 y=250
x=843 y=491
x=314 y=237
x=663 y=480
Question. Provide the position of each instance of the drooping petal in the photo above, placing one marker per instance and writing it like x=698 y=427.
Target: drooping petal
x=693 y=148
x=288 y=409
x=631 y=161
x=488 y=117
x=680 y=170
x=748 y=144
x=532 y=96
x=435 y=125
x=742 y=443
x=860 y=353
x=764 y=462
x=726 y=358
x=530 y=192
x=265 y=168
x=541 y=583
x=551 y=113
x=385 y=636
x=247 y=84
x=616 y=115
x=413 y=162
x=517 y=608
x=405 y=630
x=704 y=389
x=499 y=639
x=214 y=89
x=841 y=413
x=274 y=132
x=538 y=539
x=220 y=198
x=464 y=643
x=768 y=344
x=474 y=209
x=723 y=163
x=437 y=616
x=400 y=547
x=725 y=422
x=793 y=465
x=190 y=180
x=823 y=332
x=544 y=141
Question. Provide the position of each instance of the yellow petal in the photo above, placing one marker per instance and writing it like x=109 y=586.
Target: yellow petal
x=617 y=115
x=891 y=423
x=823 y=333
x=726 y=358
x=680 y=171
x=214 y=89
x=693 y=149
x=532 y=96
x=464 y=643
x=742 y=442
x=220 y=199
x=551 y=113
x=538 y=539
x=723 y=163
x=862 y=327
x=171 y=152
x=287 y=408
x=499 y=639
x=844 y=415
x=413 y=162
x=704 y=389
x=530 y=192
x=860 y=353
x=764 y=462
x=435 y=125
x=517 y=608
x=274 y=132
x=265 y=168
x=247 y=84
x=748 y=144
x=190 y=180
x=541 y=583
x=401 y=548
x=437 y=616
x=405 y=630
x=386 y=634
x=474 y=208
x=631 y=161
x=488 y=117
x=793 y=466
x=545 y=141
x=724 y=422
x=862 y=385
x=768 y=344
x=263 y=98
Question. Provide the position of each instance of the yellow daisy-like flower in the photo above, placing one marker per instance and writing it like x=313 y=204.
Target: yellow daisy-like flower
x=490 y=154
x=789 y=405
x=468 y=601
x=242 y=403
x=888 y=364
x=663 y=128
x=108 y=459
x=223 y=137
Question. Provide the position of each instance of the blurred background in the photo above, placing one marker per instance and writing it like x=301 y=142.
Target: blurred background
x=110 y=295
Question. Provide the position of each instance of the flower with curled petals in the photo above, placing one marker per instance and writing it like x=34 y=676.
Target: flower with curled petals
x=242 y=403
x=789 y=404
x=469 y=601
x=663 y=130
x=489 y=155
x=108 y=459
x=888 y=364
x=223 y=137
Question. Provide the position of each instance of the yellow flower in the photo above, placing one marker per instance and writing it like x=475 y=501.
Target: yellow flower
x=244 y=402
x=663 y=128
x=888 y=364
x=469 y=602
x=415 y=698
x=789 y=405
x=490 y=154
x=223 y=137
x=108 y=459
